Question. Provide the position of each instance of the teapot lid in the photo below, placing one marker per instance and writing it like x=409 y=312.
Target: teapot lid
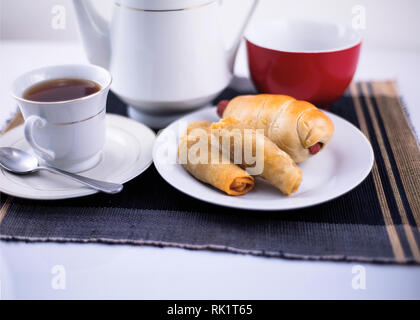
x=162 y=5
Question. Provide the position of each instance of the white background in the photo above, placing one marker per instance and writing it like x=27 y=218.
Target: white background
x=391 y=50
x=391 y=24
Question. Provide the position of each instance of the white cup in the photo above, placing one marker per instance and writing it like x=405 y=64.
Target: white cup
x=65 y=134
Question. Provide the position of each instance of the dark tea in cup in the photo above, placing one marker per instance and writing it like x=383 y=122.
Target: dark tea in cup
x=63 y=89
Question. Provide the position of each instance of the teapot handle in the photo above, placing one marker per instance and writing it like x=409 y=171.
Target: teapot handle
x=235 y=46
x=95 y=33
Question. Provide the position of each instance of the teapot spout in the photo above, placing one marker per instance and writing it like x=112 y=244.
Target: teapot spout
x=95 y=33
x=232 y=51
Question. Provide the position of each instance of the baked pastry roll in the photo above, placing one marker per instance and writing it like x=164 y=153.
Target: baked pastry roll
x=278 y=168
x=213 y=168
x=296 y=127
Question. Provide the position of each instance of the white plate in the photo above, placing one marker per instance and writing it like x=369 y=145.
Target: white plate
x=126 y=154
x=339 y=168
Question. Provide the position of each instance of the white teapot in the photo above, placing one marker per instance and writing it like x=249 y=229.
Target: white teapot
x=166 y=56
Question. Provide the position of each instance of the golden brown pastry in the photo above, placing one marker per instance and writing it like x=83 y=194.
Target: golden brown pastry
x=297 y=127
x=221 y=174
x=277 y=168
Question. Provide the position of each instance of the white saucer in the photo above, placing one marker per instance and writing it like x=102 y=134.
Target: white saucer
x=339 y=168
x=126 y=154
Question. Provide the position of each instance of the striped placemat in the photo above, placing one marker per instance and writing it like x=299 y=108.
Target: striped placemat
x=379 y=221
x=396 y=171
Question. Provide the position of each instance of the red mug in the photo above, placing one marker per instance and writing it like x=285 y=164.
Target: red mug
x=312 y=61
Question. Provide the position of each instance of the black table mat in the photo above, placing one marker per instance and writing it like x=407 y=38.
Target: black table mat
x=379 y=221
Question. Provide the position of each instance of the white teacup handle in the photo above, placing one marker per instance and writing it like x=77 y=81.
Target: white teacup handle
x=31 y=123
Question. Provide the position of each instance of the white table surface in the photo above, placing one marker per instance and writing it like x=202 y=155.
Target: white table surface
x=125 y=271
